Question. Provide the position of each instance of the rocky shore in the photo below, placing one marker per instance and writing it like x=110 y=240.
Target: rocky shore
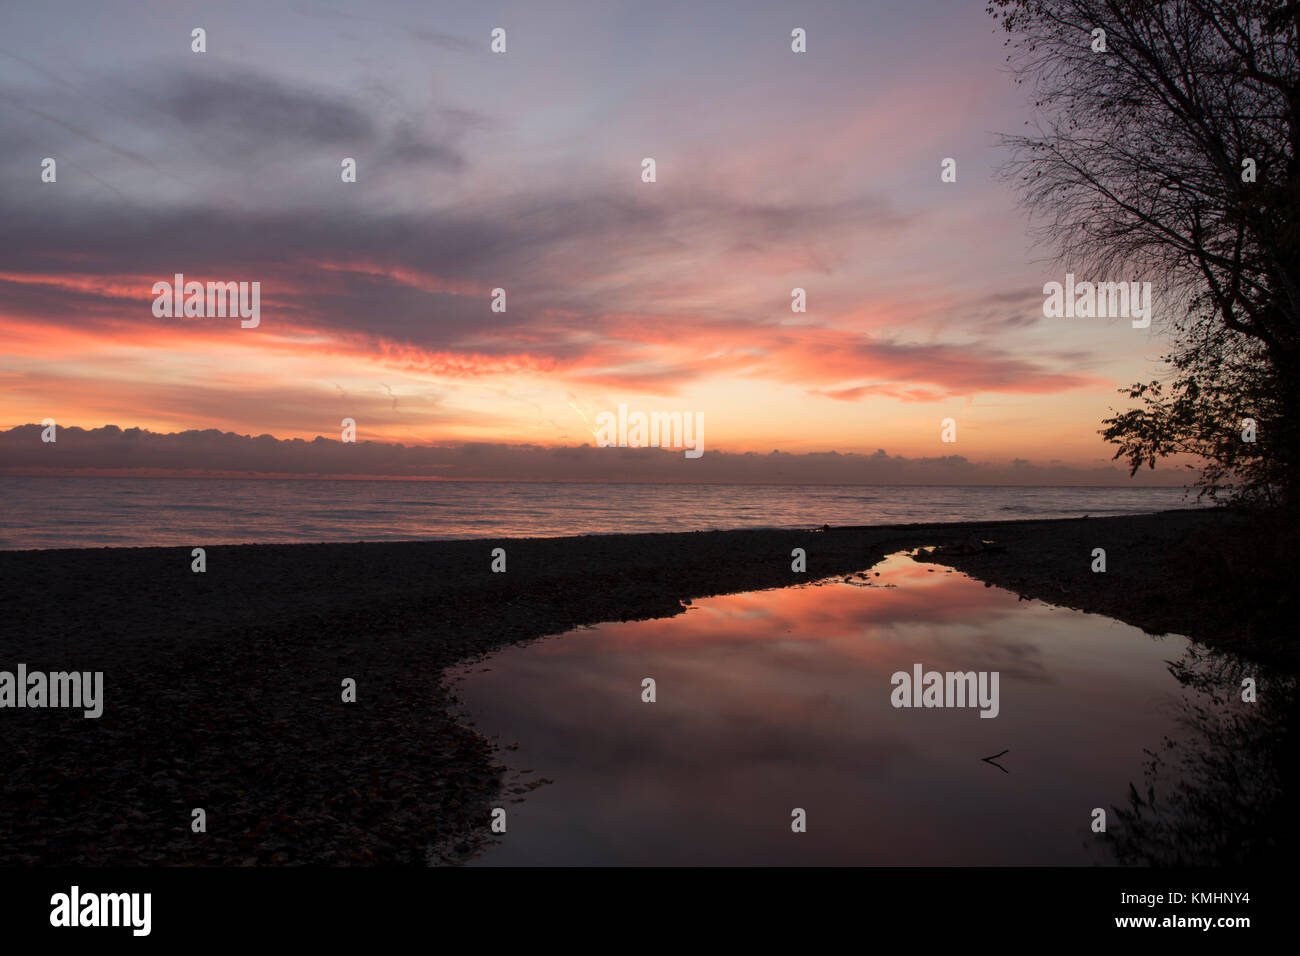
x=224 y=690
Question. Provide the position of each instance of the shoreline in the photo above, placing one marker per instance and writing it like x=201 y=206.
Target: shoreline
x=222 y=689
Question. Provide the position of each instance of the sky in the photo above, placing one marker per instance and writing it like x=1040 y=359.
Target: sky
x=522 y=171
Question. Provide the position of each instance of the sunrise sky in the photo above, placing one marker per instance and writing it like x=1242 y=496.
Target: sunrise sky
x=522 y=171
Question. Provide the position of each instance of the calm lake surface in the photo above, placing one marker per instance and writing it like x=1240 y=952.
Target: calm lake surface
x=97 y=512
x=775 y=700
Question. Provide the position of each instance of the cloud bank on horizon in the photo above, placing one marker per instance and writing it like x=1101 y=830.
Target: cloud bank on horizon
x=135 y=452
x=521 y=171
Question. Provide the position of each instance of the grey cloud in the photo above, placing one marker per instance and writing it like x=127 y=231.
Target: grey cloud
x=175 y=117
x=550 y=251
x=135 y=450
x=256 y=108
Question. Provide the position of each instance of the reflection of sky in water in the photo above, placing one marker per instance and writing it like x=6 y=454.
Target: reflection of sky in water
x=779 y=699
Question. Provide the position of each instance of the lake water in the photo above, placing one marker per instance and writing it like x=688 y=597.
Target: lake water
x=776 y=700
x=65 y=512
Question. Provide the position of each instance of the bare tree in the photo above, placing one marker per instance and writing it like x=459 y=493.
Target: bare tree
x=1163 y=146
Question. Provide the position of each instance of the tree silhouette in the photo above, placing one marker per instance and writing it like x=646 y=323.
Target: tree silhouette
x=1163 y=147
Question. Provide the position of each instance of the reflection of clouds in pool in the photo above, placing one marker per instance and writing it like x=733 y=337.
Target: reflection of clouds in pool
x=778 y=699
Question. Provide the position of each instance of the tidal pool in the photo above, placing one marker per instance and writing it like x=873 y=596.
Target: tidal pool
x=772 y=701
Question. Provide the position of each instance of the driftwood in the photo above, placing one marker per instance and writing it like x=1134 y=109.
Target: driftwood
x=993 y=760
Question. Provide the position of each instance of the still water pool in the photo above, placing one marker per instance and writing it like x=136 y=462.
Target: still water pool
x=775 y=701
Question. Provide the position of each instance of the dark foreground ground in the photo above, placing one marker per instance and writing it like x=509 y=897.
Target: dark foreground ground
x=223 y=689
